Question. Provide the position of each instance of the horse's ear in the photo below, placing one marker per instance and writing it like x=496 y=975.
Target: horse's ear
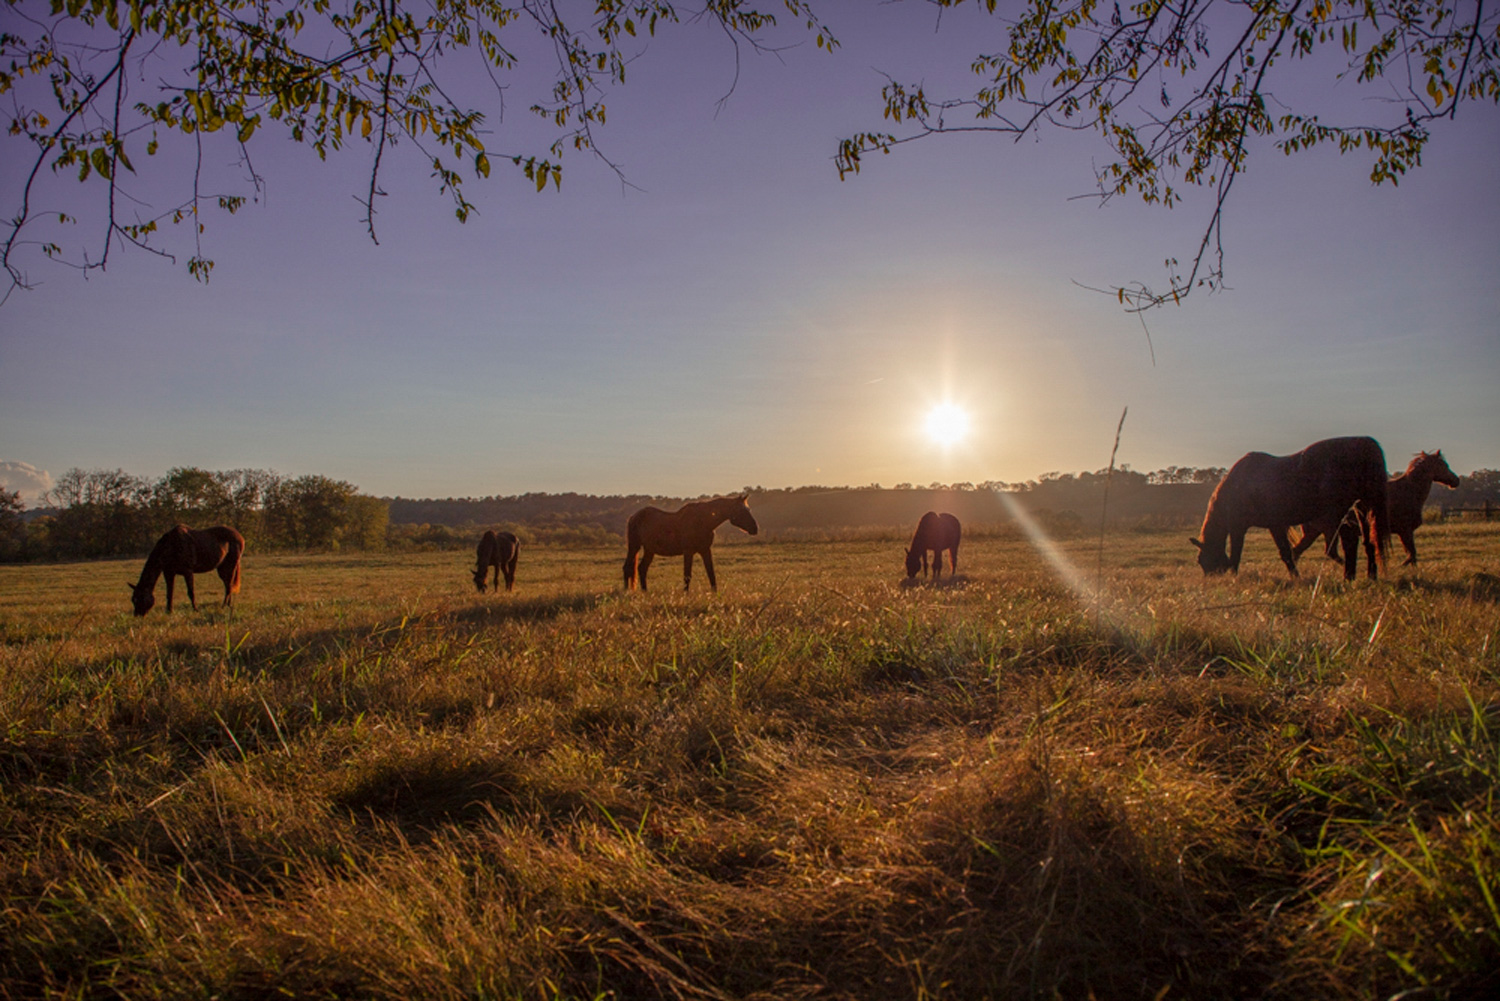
x=131 y=586
x=1196 y=543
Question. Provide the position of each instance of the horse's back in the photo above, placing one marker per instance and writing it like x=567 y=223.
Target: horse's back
x=936 y=531
x=1272 y=491
x=951 y=530
x=668 y=533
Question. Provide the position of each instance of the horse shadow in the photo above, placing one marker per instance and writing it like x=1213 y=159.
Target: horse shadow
x=527 y=609
x=954 y=582
x=1478 y=586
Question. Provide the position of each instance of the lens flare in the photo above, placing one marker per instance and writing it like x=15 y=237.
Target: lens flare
x=947 y=424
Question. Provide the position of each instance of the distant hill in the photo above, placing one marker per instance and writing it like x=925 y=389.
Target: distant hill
x=1061 y=503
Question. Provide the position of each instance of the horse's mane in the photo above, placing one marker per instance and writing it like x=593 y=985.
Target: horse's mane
x=1213 y=515
x=1422 y=460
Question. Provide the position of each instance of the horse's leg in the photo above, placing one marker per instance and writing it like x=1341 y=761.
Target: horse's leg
x=510 y=574
x=226 y=574
x=687 y=569
x=937 y=565
x=1284 y=547
x=1350 y=542
x=708 y=568
x=1409 y=543
x=192 y=598
x=953 y=560
x=1236 y=547
x=171 y=582
x=643 y=566
x=1302 y=543
x=1372 y=562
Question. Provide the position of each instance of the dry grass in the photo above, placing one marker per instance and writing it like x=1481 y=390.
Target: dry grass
x=371 y=782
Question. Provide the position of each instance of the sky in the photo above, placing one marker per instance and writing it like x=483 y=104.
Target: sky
x=738 y=316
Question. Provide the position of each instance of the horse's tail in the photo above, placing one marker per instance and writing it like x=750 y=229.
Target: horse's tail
x=1380 y=519
x=237 y=556
x=633 y=541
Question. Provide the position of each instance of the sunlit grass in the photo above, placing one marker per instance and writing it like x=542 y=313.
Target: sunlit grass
x=368 y=780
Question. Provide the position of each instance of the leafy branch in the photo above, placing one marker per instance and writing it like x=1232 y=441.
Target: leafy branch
x=1145 y=78
x=324 y=73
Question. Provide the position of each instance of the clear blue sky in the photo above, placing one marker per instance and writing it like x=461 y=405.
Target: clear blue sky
x=742 y=317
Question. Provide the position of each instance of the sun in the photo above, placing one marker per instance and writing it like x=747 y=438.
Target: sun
x=947 y=424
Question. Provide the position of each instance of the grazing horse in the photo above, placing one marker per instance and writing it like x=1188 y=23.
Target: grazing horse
x=1405 y=496
x=1319 y=484
x=682 y=533
x=498 y=550
x=935 y=532
x=185 y=551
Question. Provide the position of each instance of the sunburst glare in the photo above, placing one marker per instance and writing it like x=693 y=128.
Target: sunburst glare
x=947 y=424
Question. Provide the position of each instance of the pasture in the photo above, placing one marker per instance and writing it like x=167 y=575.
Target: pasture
x=370 y=781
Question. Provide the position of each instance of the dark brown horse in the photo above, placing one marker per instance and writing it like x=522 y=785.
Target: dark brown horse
x=935 y=532
x=498 y=550
x=1321 y=483
x=183 y=552
x=1405 y=496
x=685 y=532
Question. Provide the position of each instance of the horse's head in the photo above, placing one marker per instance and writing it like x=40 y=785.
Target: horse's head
x=1439 y=466
x=479 y=576
x=1211 y=560
x=142 y=599
x=741 y=518
x=913 y=562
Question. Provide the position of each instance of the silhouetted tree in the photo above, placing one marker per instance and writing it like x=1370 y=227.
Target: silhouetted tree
x=193 y=496
x=12 y=525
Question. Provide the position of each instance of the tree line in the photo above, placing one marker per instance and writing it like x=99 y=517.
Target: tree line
x=100 y=513
x=96 y=513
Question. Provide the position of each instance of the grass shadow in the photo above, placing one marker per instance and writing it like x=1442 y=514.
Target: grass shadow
x=490 y=611
x=953 y=581
x=1478 y=586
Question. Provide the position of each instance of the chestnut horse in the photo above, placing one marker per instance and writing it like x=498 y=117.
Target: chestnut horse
x=185 y=551
x=685 y=532
x=1319 y=484
x=935 y=532
x=1405 y=496
x=498 y=550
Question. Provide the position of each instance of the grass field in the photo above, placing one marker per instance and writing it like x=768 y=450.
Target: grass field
x=369 y=781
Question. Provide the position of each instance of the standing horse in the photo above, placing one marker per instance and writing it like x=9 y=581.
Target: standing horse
x=1405 y=496
x=684 y=532
x=185 y=551
x=935 y=532
x=498 y=550
x=1319 y=484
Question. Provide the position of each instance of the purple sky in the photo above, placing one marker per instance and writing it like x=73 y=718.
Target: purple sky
x=744 y=318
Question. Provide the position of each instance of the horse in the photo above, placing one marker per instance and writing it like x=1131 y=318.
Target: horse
x=498 y=550
x=185 y=551
x=935 y=532
x=685 y=532
x=1405 y=494
x=1321 y=483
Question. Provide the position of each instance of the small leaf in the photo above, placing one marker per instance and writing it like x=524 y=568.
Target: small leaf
x=482 y=165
